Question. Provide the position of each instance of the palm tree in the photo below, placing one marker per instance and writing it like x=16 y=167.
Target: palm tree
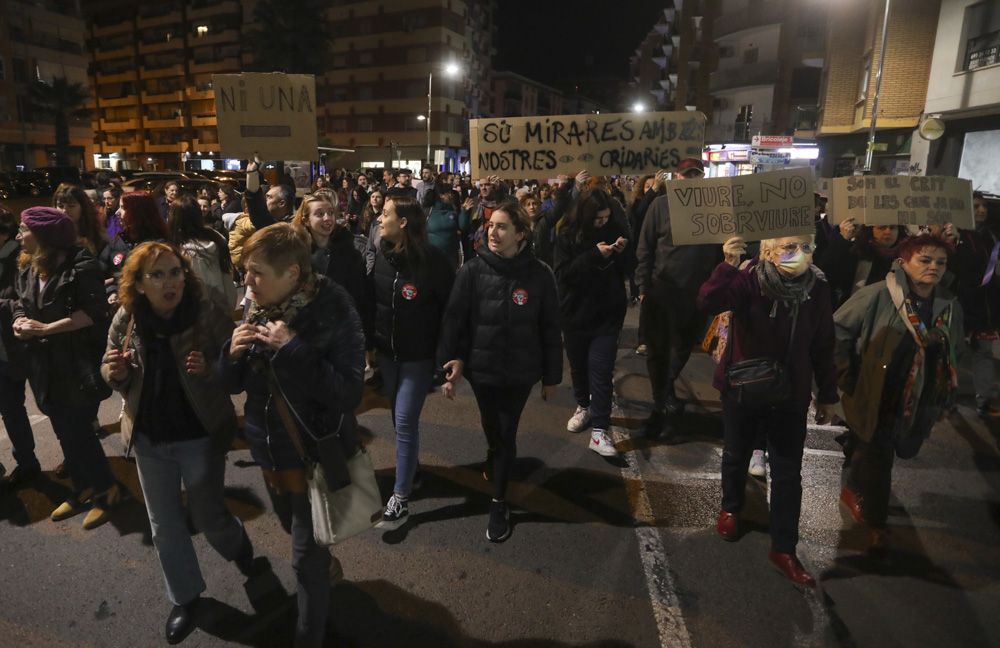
x=294 y=36
x=62 y=100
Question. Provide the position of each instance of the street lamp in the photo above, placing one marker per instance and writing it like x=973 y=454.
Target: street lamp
x=638 y=107
x=450 y=70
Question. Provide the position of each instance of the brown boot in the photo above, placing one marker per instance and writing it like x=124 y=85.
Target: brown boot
x=100 y=512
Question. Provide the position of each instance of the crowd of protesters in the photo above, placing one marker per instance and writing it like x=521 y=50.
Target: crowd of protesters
x=419 y=282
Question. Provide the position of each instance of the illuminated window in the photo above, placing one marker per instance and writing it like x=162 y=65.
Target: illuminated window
x=202 y=30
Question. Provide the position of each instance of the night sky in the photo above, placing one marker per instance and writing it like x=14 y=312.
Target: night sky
x=552 y=40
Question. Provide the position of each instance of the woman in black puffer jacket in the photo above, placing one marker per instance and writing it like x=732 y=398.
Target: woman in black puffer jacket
x=593 y=258
x=412 y=282
x=501 y=330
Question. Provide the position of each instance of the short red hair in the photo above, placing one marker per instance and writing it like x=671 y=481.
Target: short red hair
x=913 y=244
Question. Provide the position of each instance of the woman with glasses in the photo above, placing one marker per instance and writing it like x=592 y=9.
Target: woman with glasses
x=177 y=417
x=780 y=312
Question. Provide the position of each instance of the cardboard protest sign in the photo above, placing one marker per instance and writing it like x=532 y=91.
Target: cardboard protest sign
x=756 y=207
x=902 y=200
x=273 y=114
x=605 y=144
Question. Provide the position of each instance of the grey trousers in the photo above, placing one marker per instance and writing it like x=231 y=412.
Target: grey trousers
x=983 y=374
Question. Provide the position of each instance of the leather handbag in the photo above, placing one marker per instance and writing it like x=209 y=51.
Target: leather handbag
x=336 y=514
x=760 y=381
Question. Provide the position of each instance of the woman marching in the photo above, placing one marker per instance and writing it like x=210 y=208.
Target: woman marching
x=299 y=356
x=501 y=331
x=780 y=316
x=896 y=347
x=593 y=259
x=206 y=249
x=412 y=282
x=62 y=315
x=177 y=417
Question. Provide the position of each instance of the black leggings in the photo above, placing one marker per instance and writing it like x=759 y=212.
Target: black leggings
x=500 y=408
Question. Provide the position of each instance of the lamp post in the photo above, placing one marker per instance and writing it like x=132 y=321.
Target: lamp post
x=450 y=70
x=878 y=87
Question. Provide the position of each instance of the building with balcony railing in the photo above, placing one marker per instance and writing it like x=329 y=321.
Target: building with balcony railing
x=41 y=41
x=518 y=96
x=151 y=68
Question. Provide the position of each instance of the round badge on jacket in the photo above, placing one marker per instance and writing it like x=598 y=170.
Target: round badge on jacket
x=118 y=258
x=520 y=296
x=409 y=292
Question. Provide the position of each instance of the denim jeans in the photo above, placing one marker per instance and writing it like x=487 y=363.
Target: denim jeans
x=85 y=460
x=592 y=365
x=406 y=384
x=15 y=419
x=786 y=437
x=163 y=469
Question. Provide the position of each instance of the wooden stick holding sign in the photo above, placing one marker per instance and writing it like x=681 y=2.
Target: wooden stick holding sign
x=902 y=200
x=755 y=207
x=605 y=144
x=270 y=113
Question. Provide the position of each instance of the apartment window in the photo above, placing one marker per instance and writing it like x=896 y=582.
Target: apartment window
x=981 y=35
x=201 y=30
x=744 y=119
x=338 y=125
x=365 y=93
x=866 y=72
x=416 y=55
x=365 y=124
x=366 y=58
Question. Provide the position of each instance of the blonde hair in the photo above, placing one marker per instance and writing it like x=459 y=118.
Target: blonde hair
x=301 y=218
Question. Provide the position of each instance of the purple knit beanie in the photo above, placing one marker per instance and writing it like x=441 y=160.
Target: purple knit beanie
x=52 y=227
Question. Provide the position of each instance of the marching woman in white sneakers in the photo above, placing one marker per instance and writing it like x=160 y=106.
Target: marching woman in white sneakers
x=593 y=260
x=501 y=328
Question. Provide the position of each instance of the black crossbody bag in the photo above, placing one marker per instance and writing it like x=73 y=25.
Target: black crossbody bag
x=760 y=381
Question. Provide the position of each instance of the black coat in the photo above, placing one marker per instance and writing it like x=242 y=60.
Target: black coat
x=842 y=261
x=408 y=306
x=503 y=321
x=981 y=304
x=113 y=258
x=341 y=262
x=592 y=298
x=8 y=301
x=60 y=366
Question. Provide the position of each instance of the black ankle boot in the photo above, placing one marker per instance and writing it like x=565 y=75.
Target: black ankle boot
x=180 y=623
x=244 y=559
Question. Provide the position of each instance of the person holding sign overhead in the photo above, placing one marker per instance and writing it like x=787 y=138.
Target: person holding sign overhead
x=669 y=277
x=781 y=338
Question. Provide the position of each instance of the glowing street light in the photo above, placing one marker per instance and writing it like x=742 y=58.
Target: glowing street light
x=450 y=70
x=638 y=107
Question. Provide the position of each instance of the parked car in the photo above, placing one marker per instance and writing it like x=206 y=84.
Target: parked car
x=29 y=183
x=7 y=189
x=56 y=175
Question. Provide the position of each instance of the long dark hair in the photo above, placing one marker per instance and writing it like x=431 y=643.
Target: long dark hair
x=579 y=221
x=413 y=244
x=88 y=227
x=186 y=223
x=141 y=220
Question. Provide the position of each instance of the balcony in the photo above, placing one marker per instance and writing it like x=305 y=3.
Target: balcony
x=127 y=146
x=127 y=100
x=231 y=64
x=198 y=10
x=149 y=17
x=769 y=12
x=161 y=45
x=159 y=96
x=117 y=77
x=205 y=145
x=166 y=147
x=100 y=31
x=109 y=54
x=118 y=125
x=204 y=120
x=214 y=38
x=176 y=69
x=169 y=122
x=195 y=94
x=743 y=76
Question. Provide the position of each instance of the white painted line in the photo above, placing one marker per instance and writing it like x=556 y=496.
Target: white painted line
x=36 y=418
x=659 y=581
x=825 y=453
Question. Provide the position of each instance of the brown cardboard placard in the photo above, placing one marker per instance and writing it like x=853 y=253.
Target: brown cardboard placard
x=902 y=200
x=756 y=207
x=270 y=113
x=603 y=144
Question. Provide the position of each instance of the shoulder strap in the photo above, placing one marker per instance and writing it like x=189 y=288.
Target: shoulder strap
x=285 y=414
x=128 y=333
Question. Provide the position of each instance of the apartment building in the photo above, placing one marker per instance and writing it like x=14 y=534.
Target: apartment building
x=42 y=40
x=515 y=96
x=848 y=84
x=374 y=98
x=963 y=92
x=152 y=66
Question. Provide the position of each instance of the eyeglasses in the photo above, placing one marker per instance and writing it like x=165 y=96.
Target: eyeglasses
x=159 y=277
x=790 y=248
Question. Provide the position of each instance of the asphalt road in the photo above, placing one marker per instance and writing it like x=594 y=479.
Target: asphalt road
x=604 y=553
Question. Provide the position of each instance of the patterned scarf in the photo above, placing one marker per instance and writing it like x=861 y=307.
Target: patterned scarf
x=287 y=310
x=945 y=376
x=790 y=291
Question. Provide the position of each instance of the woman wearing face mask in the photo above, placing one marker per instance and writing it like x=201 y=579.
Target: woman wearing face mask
x=859 y=255
x=334 y=254
x=592 y=260
x=780 y=311
x=412 y=281
x=896 y=350
x=501 y=331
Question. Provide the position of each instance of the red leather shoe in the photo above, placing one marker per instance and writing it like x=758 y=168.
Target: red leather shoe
x=728 y=526
x=789 y=565
x=851 y=501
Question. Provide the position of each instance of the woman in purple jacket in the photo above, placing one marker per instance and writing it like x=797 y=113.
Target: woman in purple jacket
x=765 y=298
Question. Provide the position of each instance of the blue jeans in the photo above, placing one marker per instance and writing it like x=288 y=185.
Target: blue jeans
x=85 y=460
x=592 y=365
x=162 y=470
x=406 y=384
x=15 y=419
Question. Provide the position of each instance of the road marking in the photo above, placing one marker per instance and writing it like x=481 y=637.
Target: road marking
x=659 y=581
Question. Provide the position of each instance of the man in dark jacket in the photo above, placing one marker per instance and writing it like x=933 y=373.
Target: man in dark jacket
x=669 y=277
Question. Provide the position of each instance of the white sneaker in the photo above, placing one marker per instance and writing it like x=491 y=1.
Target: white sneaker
x=601 y=444
x=757 y=468
x=580 y=420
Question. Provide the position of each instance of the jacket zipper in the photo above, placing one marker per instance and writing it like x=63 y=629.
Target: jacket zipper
x=267 y=428
x=392 y=333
